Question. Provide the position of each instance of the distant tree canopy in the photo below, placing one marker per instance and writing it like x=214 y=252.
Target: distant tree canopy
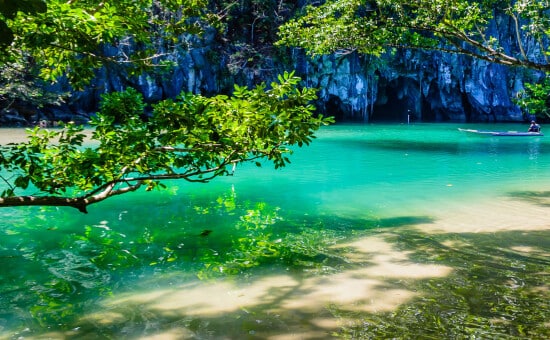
x=9 y=10
x=462 y=26
x=191 y=137
x=535 y=99
x=75 y=38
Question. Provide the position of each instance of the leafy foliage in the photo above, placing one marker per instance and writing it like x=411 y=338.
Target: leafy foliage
x=190 y=137
x=9 y=10
x=374 y=26
x=193 y=137
x=535 y=99
x=72 y=38
x=18 y=86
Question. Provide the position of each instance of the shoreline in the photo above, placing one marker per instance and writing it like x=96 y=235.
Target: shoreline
x=10 y=135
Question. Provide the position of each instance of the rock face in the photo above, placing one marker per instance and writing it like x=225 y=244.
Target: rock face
x=419 y=86
x=405 y=86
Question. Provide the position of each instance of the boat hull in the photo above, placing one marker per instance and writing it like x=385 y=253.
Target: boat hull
x=502 y=133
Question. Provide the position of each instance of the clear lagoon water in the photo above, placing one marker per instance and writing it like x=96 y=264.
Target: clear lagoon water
x=373 y=231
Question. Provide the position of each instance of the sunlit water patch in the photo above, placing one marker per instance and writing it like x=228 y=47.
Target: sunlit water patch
x=374 y=231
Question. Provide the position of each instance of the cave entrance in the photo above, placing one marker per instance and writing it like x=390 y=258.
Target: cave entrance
x=393 y=109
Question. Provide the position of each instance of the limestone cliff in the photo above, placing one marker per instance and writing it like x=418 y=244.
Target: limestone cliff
x=418 y=86
x=406 y=85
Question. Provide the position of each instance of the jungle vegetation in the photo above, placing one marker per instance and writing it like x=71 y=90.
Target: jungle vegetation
x=463 y=27
x=197 y=138
x=191 y=137
x=133 y=145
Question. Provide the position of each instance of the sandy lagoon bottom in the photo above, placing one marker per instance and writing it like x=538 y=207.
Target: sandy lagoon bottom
x=386 y=270
x=453 y=263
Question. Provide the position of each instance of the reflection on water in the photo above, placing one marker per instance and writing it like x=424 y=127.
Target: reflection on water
x=373 y=232
x=533 y=149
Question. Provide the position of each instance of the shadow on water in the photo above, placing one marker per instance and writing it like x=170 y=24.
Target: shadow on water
x=540 y=198
x=329 y=277
x=62 y=274
x=413 y=146
x=454 y=146
x=499 y=288
x=399 y=221
x=343 y=224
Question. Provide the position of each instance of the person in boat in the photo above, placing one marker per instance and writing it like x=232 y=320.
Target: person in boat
x=534 y=127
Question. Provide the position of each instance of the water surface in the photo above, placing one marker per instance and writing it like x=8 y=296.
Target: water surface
x=372 y=231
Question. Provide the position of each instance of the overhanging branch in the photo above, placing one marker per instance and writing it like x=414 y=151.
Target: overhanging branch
x=478 y=51
x=80 y=203
x=119 y=186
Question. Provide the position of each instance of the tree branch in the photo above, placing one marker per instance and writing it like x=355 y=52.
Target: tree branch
x=109 y=189
x=485 y=52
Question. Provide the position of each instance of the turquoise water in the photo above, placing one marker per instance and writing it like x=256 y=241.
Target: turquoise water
x=246 y=256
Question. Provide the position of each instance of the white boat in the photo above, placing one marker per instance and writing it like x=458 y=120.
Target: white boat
x=502 y=133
